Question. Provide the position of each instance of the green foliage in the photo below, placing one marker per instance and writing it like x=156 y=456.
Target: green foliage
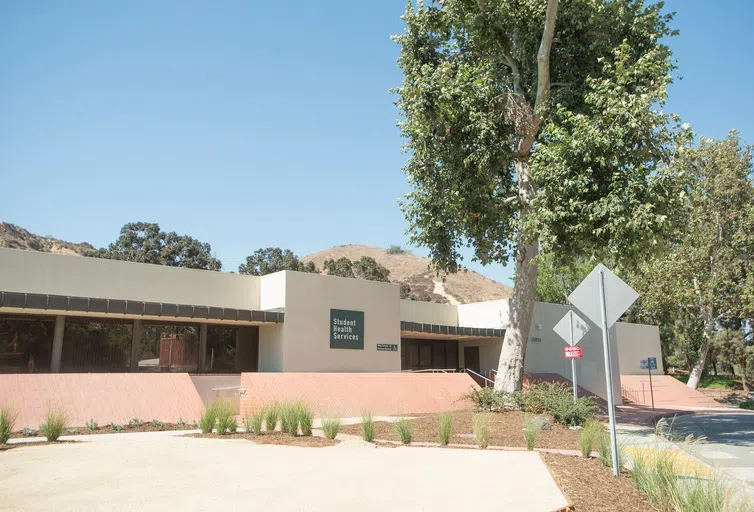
x=396 y=249
x=72 y=431
x=488 y=399
x=144 y=242
x=271 y=416
x=712 y=381
x=605 y=451
x=405 y=291
x=747 y=404
x=29 y=432
x=8 y=418
x=445 y=428
x=482 y=429
x=557 y=400
x=331 y=427
x=158 y=424
x=253 y=422
x=530 y=433
x=289 y=416
x=134 y=422
x=181 y=422
x=364 y=268
x=117 y=427
x=304 y=418
x=589 y=434
x=54 y=424
x=223 y=411
x=342 y=267
x=405 y=430
x=274 y=259
x=367 y=427
x=557 y=279
x=91 y=425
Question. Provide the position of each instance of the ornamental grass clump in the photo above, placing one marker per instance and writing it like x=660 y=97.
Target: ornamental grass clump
x=405 y=430
x=8 y=418
x=289 y=419
x=482 y=429
x=304 y=418
x=331 y=427
x=225 y=416
x=253 y=422
x=271 y=417
x=54 y=423
x=445 y=428
x=530 y=433
x=589 y=434
x=367 y=427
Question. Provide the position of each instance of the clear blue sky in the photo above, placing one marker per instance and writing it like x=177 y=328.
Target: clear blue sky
x=253 y=124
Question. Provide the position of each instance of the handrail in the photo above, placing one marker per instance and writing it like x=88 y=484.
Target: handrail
x=486 y=380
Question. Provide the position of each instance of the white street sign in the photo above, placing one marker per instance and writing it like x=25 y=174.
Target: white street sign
x=618 y=296
x=563 y=328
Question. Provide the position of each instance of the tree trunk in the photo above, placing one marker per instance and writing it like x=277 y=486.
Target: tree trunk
x=698 y=368
x=510 y=370
x=742 y=364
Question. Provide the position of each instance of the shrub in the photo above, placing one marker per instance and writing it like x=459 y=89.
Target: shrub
x=224 y=414
x=530 y=433
x=405 y=430
x=29 y=432
x=589 y=434
x=556 y=399
x=212 y=413
x=271 y=416
x=748 y=404
x=181 y=422
x=72 y=431
x=445 y=428
x=134 y=422
x=54 y=423
x=8 y=418
x=396 y=249
x=91 y=425
x=289 y=419
x=254 y=422
x=305 y=418
x=158 y=424
x=117 y=427
x=367 y=427
x=482 y=429
x=331 y=427
x=487 y=399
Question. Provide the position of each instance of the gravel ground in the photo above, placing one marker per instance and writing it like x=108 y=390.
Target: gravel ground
x=163 y=472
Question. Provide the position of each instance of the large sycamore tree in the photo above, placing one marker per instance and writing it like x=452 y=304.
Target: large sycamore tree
x=535 y=125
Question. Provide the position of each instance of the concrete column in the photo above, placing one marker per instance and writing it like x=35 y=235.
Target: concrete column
x=135 y=339
x=202 y=347
x=57 y=344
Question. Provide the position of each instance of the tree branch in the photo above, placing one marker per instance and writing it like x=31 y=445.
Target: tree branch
x=543 y=55
x=511 y=199
x=508 y=54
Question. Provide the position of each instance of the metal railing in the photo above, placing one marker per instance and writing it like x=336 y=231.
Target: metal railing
x=487 y=382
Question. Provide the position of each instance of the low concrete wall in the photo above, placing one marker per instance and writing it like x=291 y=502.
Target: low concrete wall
x=103 y=397
x=212 y=387
x=351 y=394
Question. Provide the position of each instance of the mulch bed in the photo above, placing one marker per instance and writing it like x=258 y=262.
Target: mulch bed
x=107 y=429
x=273 y=438
x=506 y=429
x=6 y=447
x=591 y=487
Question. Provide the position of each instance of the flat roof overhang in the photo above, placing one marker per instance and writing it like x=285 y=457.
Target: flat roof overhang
x=37 y=303
x=419 y=330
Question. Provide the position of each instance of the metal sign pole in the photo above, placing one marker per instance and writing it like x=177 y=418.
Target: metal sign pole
x=573 y=366
x=609 y=377
x=651 y=391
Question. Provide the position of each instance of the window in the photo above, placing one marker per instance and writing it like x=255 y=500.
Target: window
x=96 y=346
x=168 y=348
x=26 y=344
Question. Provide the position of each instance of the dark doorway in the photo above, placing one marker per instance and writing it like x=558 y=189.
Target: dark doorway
x=429 y=354
x=471 y=358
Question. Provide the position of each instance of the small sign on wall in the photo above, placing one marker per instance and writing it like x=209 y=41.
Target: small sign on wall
x=390 y=347
x=346 y=329
x=574 y=352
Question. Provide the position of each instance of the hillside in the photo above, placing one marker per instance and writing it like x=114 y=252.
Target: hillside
x=461 y=288
x=15 y=237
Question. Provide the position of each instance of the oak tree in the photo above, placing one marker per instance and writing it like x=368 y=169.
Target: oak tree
x=274 y=259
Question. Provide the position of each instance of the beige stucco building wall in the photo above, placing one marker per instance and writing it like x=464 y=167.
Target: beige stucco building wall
x=56 y=274
x=306 y=330
x=429 y=312
x=637 y=342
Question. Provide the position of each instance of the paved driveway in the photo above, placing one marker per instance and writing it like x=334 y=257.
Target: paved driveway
x=165 y=472
x=730 y=441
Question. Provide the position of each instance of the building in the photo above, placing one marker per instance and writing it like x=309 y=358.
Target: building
x=63 y=313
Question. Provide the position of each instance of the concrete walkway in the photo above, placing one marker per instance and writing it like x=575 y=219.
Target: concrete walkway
x=160 y=471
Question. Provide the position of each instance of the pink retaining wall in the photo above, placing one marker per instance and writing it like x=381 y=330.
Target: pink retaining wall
x=104 y=397
x=351 y=394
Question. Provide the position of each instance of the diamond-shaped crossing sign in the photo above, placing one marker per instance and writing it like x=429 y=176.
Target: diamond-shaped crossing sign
x=563 y=328
x=618 y=296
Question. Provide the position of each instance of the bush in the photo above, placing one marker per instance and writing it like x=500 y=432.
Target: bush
x=134 y=422
x=223 y=412
x=254 y=422
x=8 y=418
x=271 y=416
x=445 y=428
x=305 y=418
x=748 y=404
x=487 y=399
x=556 y=399
x=589 y=434
x=396 y=249
x=72 y=431
x=405 y=430
x=331 y=427
x=482 y=429
x=29 y=432
x=91 y=425
x=367 y=427
x=54 y=424
x=158 y=424
x=117 y=427
x=181 y=422
x=530 y=433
